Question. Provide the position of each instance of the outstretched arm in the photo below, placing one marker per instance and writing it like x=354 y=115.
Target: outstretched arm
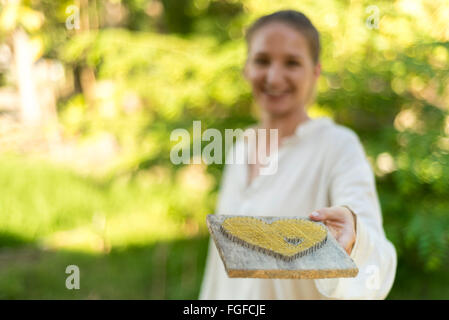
x=355 y=220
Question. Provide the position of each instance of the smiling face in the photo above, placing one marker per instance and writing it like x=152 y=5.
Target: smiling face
x=280 y=69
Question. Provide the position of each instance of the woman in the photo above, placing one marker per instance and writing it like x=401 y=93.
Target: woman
x=322 y=172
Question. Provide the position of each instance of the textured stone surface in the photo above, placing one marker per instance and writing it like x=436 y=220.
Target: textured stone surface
x=329 y=261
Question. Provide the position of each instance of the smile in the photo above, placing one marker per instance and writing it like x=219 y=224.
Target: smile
x=276 y=94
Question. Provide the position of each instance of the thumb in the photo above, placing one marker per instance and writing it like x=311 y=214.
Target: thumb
x=319 y=215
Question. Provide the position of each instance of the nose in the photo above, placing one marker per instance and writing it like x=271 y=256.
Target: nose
x=274 y=77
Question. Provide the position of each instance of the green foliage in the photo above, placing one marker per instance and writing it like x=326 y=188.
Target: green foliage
x=380 y=84
x=58 y=209
x=175 y=78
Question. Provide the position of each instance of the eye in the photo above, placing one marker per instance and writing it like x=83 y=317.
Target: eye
x=293 y=63
x=261 y=61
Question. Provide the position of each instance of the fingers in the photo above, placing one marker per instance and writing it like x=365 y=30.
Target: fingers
x=322 y=214
x=334 y=231
x=336 y=219
x=338 y=214
x=346 y=240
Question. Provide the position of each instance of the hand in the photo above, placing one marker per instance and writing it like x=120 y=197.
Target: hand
x=341 y=223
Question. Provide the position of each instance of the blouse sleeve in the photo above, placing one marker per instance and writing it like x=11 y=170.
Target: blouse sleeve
x=352 y=184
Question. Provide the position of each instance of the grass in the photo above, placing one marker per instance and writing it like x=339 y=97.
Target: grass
x=160 y=271
x=127 y=239
x=130 y=239
x=57 y=208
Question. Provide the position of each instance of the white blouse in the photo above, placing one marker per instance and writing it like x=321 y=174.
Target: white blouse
x=323 y=164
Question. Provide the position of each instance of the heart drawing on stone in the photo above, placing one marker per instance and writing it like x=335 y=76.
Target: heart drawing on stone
x=286 y=239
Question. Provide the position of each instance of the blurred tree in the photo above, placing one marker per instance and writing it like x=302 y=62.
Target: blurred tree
x=15 y=18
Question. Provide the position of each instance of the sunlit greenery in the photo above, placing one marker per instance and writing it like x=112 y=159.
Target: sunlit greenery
x=160 y=65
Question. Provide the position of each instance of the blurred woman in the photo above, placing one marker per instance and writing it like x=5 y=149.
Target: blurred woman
x=322 y=172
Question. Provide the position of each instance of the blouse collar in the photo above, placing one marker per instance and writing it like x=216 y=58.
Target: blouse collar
x=310 y=125
x=306 y=128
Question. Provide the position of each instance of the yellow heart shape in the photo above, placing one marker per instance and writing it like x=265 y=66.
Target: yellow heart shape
x=285 y=238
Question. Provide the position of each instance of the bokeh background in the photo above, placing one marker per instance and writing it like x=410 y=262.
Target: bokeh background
x=91 y=90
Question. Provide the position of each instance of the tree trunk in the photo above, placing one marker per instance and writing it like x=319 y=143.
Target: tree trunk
x=30 y=112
